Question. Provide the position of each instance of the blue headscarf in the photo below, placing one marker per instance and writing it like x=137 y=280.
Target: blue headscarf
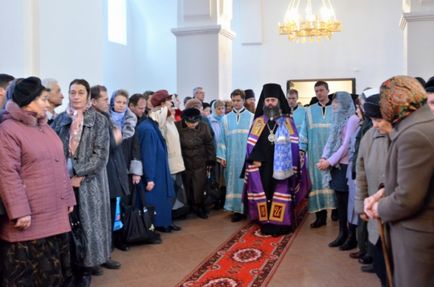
x=345 y=110
x=214 y=112
x=118 y=118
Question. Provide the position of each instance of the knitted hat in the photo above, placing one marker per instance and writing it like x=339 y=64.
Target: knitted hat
x=27 y=90
x=372 y=107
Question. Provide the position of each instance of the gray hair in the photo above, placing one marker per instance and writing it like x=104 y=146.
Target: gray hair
x=197 y=89
x=48 y=83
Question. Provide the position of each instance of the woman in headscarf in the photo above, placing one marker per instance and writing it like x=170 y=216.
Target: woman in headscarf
x=406 y=203
x=122 y=117
x=36 y=192
x=216 y=116
x=335 y=159
x=85 y=136
x=217 y=113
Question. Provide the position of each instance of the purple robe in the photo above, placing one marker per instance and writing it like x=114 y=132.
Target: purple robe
x=278 y=207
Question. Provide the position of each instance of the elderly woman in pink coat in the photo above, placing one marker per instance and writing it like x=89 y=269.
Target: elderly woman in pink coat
x=36 y=193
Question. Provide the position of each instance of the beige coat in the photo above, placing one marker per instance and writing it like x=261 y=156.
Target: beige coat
x=171 y=135
x=408 y=206
x=371 y=164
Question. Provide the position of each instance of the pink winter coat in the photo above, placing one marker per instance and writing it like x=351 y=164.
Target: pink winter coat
x=33 y=177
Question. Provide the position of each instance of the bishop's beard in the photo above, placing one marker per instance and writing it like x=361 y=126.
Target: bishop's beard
x=272 y=112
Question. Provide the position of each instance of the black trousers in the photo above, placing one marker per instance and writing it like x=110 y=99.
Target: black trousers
x=342 y=207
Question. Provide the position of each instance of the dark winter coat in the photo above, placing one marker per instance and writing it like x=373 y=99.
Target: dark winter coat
x=197 y=145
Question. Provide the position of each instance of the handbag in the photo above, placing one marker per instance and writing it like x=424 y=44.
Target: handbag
x=213 y=192
x=138 y=218
x=78 y=239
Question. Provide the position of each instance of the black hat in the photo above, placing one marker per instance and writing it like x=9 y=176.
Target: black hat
x=372 y=107
x=191 y=115
x=27 y=90
x=249 y=94
x=272 y=91
x=429 y=86
x=421 y=81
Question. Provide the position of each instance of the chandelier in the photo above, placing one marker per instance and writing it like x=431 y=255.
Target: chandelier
x=310 y=26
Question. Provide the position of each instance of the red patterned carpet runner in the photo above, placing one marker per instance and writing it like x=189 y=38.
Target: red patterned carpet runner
x=248 y=258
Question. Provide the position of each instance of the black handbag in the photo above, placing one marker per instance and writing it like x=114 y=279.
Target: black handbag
x=213 y=193
x=78 y=239
x=138 y=218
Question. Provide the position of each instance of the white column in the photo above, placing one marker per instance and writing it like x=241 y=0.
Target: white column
x=204 y=47
x=417 y=23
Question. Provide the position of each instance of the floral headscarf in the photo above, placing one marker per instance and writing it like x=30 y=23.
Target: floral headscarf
x=400 y=96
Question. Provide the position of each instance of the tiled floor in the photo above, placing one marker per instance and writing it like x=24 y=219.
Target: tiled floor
x=308 y=262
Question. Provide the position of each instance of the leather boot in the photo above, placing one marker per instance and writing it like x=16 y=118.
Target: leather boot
x=321 y=219
x=351 y=241
x=342 y=236
x=335 y=216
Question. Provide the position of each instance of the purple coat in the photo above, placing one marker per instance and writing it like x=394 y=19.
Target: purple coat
x=33 y=177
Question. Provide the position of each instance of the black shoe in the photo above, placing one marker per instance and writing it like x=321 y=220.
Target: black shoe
x=321 y=219
x=163 y=229
x=96 y=271
x=83 y=280
x=365 y=260
x=349 y=244
x=202 y=214
x=318 y=223
x=175 y=227
x=237 y=217
x=335 y=215
x=111 y=264
x=368 y=268
x=339 y=240
x=122 y=246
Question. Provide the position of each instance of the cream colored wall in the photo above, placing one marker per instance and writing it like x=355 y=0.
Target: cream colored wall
x=369 y=48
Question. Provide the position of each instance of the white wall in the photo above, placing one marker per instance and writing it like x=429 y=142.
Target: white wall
x=369 y=47
x=16 y=47
x=68 y=39
x=73 y=43
x=148 y=62
x=71 y=37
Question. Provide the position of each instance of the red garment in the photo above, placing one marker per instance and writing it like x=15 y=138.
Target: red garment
x=178 y=115
x=33 y=177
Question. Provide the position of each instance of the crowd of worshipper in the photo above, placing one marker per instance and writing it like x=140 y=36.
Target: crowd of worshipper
x=71 y=180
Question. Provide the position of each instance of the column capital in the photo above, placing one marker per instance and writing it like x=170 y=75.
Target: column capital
x=204 y=29
x=415 y=17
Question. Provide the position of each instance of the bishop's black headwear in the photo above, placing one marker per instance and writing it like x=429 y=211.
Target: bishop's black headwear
x=272 y=90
